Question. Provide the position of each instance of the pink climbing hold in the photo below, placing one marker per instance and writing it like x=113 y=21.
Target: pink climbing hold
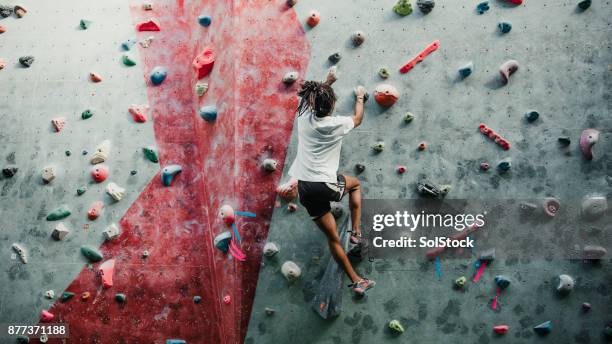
x=58 y=123
x=227 y=214
x=485 y=166
x=588 y=139
x=401 y=169
x=501 y=329
x=204 y=62
x=95 y=210
x=507 y=69
x=46 y=316
x=149 y=25
x=139 y=113
x=106 y=271
x=95 y=77
x=227 y=299
x=99 y=173
x=494 y=136
x=386 y=95
x=433 y=46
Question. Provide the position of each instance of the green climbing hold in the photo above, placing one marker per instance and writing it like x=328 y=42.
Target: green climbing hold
x=66 y=296
x=86 y=114
x=151 y=153
x=91 y=253
x=85 y=24
x=58 y=213
x=408 y=117
x=128 y=60
x=460 y=282
x=383 y=72
x=81 y=190
x=396 y=326
x=378 y=147
x=120 y=298
x=403 y=8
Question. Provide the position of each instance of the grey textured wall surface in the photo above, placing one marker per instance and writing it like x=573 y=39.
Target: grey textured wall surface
x=565 y=58
x=58 y=85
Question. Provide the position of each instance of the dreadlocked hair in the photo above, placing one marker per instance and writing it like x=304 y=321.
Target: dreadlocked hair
x=317 y=97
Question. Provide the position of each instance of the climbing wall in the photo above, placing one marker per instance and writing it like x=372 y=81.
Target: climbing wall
x=564 y=58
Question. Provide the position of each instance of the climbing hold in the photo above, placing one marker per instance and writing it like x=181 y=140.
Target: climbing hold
x=139 y=113
x=92 y=253
x=378 y=146
x=313 y=18
x=426 y=188
x=408 y=117
x=608 y=330
x=115 y=191
x=85 y=24
x=19 y=11
x=504 y=165
x=426 y=6
x=49 y=294
x=158 y=75
x=445 y=189
x=226 y=213
x=5 y=11
x=58 y=123
x=588 y=139
x=95 y=77
x=121 y=298
x=586 y=307
x=401 y=169
x=593 y=252
x=487 y=255
x=528 y=208
x=58 y=213
x=87 y=114
x=482 y=7
x=501 y=329
x=360 y=168
x=145 y=254
x=433 y=46
x=291 y=271
x=128 y=60
x=99 y=173
x=48 y=174
x=197 y=299
x=147 y=6
x=515 y=2
x=504 y=27
x=204 y=20
x=133 y=172
x=422 y=146
x=227 y=299
x=358 y=37
x=101 y=153
x=383 y=72
x=46 y=316
x=270 y=249
x=208 y=113
x=396 y=326
x=149 y=25
x=21 y=252
x=85 y=296
x=532 y=116
x=106 y=271
x=334 y=58
x=146 y=42
x=222 y=241
x=290 y=77
x=466 y=70
x=291 y=3
x=386 y=95
x=66 y=296
x=150 y=153
x=2 y=30
x=269 y=311
x=127 y=45
x=204 y=62
x=201 y=88
x=507 y=69
x=564 y=141
x=551 y=206
x=9 y=172
x=584 y=4
x=292 y=207
x=403 y=8
x=270 y=165
x=169 y=172
x=485 y=166
x=490 y=133
x=594 y=207
x=175 y=341
x=336 y=209
x=2 y=64
x=460 y=282
x=60 y=231
x=543 y=328
x=502 y=281
x=566 y=284
x=111 y=232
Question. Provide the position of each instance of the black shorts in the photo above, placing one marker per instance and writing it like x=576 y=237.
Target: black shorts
x=316 y=196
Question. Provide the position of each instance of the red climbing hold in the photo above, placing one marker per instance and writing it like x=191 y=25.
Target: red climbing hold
x=401 y=169
x=99 y=173
x=422 y=146
x=313 y=18
x=106 y=272
x=95 y=210
x=204 y=62
x=2 y=29
x=46 y=316
x=95 y=77
x=501 y=329
x=494 y=136
x=149 y=25
x=516 y=2
x=138 y=113
x=58 y=123
x=386 y=95
x=433 y=46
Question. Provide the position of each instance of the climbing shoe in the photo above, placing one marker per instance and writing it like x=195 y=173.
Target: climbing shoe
x=360 y=287
x=355 y=238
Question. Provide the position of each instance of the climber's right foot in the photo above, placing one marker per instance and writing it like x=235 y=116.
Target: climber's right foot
x=360 y=287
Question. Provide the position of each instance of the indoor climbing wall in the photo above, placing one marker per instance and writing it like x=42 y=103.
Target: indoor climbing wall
x=564 y=60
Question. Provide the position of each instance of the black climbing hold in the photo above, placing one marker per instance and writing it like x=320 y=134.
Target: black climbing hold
x=120 y=297
x=68 y=153
x=482 y=7
x=564 y=141
x=133 y=172
x=269 y=311
x=197 y=299
x=9 y=172
x=532 y=116
x=426 y=6
x=5 y=11
x=26 y=61
x=334 y=58
x=427 y=188
x=583 y=5
x=360 y=168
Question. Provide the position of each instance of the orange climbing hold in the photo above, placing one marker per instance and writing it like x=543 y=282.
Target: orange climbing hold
x=433 y=46
x=95 y=77
x=494 y=136
x=2 y=29
x=313 y=18
x=139 y=113
x=58 y=123
x=204 y=62
x=149 y=25
x=106 y=272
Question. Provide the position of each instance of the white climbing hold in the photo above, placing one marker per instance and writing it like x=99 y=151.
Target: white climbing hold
x=115 y=191
x=147 y=6
x=566 y=284
x=594 y=207
x=146 y=42
x=60 y=231
x=48 y=174
x=201 y=87
x=101 y=153
x=270 y=249
x=21 y=252
x=291 y=271
x=111 y=232
x=593 y=252
x=270 y=165
x=50 y=294
x=290 y=77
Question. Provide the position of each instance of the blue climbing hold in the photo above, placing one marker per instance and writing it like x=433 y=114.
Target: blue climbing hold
x=175 y=341
x=543 y=328
x=222 y=241
x=208 y=113
x=204 y=20
x=158 y=75
x=502 y=281
x=169 y=172
x=482 y=7
x=127 y=45
x=504 y=165
x=504 y=27
x=532 y=116
x=466 y=70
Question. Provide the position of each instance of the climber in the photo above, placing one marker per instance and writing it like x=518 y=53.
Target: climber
x=316 y=166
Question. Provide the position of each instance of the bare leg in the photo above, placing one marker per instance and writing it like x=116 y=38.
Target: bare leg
x=353 y=188
x=327 y=224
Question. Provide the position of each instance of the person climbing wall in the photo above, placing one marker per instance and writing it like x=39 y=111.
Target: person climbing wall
x=316 y=166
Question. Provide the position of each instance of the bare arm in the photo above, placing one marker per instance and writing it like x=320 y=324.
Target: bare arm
x=360 y=93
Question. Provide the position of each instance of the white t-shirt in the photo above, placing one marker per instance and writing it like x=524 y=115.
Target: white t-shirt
x=319 y=143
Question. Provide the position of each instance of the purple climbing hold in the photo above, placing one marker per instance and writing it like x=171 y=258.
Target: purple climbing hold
x=588 y=139
x=169 y=172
